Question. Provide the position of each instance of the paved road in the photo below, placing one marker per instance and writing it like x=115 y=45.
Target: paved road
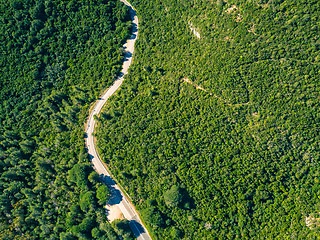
x=117 y=196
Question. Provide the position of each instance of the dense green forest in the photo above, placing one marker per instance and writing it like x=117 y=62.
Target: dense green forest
x=56 y=58
x=217 y=137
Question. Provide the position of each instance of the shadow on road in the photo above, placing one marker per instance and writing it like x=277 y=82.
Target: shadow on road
x=134 y=28
x=132 y=13
x=133 y=36
x=121 y=75
x=136 y=228
x=127 y=56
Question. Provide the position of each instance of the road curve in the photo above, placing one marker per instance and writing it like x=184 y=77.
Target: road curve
x=117 y=196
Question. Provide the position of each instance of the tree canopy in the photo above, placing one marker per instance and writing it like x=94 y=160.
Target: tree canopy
x=56 y=58
x=173 y=197
x=231 y=117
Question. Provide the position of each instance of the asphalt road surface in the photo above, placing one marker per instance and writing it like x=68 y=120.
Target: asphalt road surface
x=117 y=196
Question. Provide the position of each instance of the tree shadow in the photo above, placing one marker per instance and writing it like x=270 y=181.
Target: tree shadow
x=134 y=28
x=134 y=31
x=132 y=13
x=127 y=56
x=136 y=228
x=187 y=201
x=133 y=36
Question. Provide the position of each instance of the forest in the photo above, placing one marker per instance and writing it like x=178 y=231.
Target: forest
x=216 y=135
x=56 y=59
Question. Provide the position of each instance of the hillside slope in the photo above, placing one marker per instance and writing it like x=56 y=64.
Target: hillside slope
x=56 y=58
x=240 y=159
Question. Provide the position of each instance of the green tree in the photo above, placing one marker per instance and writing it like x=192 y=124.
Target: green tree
x=93 y=177
x=175 y=233
x=152 y=216
x=78 y=175
x=122 y=228
x=96 y=233
x=86 y=201
x=173 y=197
x=103 y=194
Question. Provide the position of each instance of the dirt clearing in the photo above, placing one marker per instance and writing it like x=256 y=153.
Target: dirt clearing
x=113 y=212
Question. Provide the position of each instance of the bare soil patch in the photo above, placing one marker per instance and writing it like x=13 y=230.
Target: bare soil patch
x=252 y=29
x=187 y=80
x=113 y=212
x=195 y=32
x=193 y=84
x=231 y=9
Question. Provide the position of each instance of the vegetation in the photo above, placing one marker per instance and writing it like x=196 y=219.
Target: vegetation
x=172 y=197
x=243 y=147
x=103 y=194
x=57 y=56
x=122 y=229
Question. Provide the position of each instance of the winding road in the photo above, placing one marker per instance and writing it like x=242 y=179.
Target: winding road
x=117 y=196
